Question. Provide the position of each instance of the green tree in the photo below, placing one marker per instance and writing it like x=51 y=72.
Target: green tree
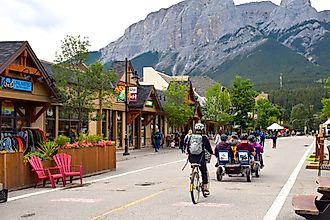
x=176 y=106
x=102 y=84
x=299 y=115
x=217 y=104
x=326 y=102
x=267 y=113
x=72 y=79
x=243 y=101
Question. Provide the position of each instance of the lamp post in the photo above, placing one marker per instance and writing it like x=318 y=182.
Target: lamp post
x=126 y=109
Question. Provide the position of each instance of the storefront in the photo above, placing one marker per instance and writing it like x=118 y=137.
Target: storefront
x=26 y=90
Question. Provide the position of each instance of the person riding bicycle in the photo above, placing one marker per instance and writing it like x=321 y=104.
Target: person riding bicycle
x=197 y=146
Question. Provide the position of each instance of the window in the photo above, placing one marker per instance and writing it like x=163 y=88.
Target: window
x=70 y=123
x=13 y=116
x=50 y=122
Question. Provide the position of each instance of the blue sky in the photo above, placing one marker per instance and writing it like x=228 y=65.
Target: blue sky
x=45 y=23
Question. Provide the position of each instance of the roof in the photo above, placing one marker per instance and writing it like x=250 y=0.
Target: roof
x=47 y=66
x=10 y=50
x=143 y=92
x=7 y=50
x=167 y=78
x=201 y=84
x=119 y=68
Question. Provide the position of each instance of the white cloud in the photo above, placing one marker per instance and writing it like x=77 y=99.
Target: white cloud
x=45 y=23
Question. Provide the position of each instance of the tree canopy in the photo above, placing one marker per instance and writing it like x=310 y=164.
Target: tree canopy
x=176 y=106
x=217 y=104
x=326 y=102
x=243 y=101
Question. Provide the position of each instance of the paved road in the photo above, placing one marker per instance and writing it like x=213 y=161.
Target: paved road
x=153 y=186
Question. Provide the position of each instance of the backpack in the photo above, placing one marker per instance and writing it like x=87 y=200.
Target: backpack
x=157 y=136
x=196 y=144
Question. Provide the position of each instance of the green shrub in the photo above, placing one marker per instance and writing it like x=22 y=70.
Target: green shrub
x=61 y=141
x=49 y=149
x=33 y=153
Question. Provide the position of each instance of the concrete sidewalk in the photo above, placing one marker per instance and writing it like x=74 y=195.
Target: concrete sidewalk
x=135 y=153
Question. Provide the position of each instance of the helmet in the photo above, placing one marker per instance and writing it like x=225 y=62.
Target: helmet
x=252 y=138
x=199 y=127
x=223 y=137
x=244 y=136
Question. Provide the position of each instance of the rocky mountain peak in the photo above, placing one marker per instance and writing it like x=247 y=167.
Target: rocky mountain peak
x=293 y=3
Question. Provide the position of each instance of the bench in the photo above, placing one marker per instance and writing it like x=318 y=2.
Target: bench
x=309 y=206
x=324 y=186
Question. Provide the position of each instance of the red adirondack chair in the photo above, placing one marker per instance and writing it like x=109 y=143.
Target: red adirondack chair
x=64 y=161
x=45 y=174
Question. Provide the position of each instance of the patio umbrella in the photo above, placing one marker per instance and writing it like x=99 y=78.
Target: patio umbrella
x=275 y=126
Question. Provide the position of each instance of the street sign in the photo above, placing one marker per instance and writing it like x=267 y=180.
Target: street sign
x=132 y=94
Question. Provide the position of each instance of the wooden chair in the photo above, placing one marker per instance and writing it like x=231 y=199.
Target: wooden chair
x=64 y=161
x=45 y=174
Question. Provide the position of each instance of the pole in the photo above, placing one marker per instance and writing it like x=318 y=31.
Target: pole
x=126 y=110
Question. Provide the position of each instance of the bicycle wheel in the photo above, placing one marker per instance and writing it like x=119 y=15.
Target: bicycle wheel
x=194 y=187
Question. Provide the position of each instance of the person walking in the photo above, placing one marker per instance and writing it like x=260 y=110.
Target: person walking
x=217 y=138
x=157 y=138
x=274 y=138
x=262 y=138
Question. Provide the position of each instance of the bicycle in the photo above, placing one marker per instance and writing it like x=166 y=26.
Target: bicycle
x=196 y=184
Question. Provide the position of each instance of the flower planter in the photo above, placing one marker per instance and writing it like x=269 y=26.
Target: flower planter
x=93 y=159
x=14 y=174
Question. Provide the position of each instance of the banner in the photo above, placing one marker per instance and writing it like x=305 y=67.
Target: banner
x=132 y=94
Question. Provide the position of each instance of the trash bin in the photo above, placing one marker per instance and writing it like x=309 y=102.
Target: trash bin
x=3 y=194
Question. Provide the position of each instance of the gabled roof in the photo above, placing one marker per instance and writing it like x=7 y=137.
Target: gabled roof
x=144 y=92
x=167 y=78
x=7 y=50
x=10 y=50
x=201 y=84
x=119 y=68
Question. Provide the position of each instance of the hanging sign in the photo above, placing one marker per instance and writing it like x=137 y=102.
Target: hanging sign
x=16 y=84
x=132 y=94
x=120 y=90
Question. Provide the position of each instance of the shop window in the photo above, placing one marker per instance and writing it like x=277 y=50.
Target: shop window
x=69 y=124
x=50 y=122
x=13 y=116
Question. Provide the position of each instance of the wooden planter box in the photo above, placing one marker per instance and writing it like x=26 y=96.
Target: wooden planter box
x=14 y=174
x=93 y=159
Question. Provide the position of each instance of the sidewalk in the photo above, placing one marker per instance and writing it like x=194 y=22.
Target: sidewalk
x=135 y=153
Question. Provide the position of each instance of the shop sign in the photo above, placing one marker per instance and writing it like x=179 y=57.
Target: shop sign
x=132 y=95
x=120 y=90
x=16 y=84
x=149 y=103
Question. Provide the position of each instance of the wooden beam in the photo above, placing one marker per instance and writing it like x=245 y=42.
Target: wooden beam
x=34 y=117
x=132 y=117
x=20 y=113
x=24 y=69
x=148 y=120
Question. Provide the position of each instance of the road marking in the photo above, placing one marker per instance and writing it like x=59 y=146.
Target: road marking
x=81 y=200
x=278 y=203
x=127 y=205
x=211 y=205
x=93 y=181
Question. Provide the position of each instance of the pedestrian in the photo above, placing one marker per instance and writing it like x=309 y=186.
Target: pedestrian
x=157 y=138
x=217 y=137
x=186 y=141
x=274 y=138
x=182 y=136
x=262 y=138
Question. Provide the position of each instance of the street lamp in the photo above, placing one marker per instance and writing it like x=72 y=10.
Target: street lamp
x=126 y=109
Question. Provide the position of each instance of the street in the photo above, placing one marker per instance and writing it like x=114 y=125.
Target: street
x=153 y=186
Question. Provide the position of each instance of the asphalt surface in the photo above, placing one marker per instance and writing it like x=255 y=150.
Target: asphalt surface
x=149 y=185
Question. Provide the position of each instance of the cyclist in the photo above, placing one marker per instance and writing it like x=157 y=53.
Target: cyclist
x=197 y=145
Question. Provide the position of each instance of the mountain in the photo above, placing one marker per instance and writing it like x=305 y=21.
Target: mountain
x=217 y=38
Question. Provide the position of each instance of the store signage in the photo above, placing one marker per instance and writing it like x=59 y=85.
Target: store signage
x=16 y=84
x=149 y=103
x=132 y=95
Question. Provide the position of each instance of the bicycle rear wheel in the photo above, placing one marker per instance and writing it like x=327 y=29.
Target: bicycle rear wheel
x=194 y=187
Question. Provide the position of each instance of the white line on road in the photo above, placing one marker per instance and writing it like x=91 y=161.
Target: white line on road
x=94 y=181
x=205 y=204
x=278 y=203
